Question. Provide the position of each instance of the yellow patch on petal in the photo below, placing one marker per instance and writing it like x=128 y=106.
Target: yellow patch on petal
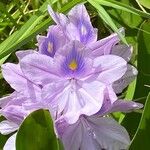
x=83 y=30
x=50 y=47
x=73 y=65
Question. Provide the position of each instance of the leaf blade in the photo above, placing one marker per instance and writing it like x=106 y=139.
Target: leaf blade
x=37 y=132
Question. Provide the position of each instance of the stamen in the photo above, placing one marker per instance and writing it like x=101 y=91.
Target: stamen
x=73 y=65
x=50 y=47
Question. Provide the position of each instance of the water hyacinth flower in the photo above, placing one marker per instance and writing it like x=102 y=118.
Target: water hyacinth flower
x=74 y=82
x=77 y=26
x=76 y=77
x=99 y=131
x=14 y=108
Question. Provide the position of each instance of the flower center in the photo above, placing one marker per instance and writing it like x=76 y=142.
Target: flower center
x=73 y=65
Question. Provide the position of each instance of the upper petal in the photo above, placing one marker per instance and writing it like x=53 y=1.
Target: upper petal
x=123 y=51
x=104 y=46
x=74 y=60
x=52 y=42
x=7 y=127
x=80 y=27
x=59 y=18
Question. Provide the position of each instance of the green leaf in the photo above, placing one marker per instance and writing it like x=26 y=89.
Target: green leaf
x=118 y=5
x=3 y=59
x=11 y=43
x=3 y=139
x=106 y=18
x=131 y=120
x=61 y=147
x=37 y=132
x=143 y=131
x=145 y=3
x=125 y=18
x=143 y=61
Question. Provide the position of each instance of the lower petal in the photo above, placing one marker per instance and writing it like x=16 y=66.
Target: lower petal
x=86 y=100
x=125 y=106
x=94 y=133
x=7 y=127
x=108 y=133
x=104 y=46
x=11 y=143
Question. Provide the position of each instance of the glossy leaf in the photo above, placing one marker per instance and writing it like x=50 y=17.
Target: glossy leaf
x=118 y=5
x=143 y=131
x=37 y=132
x=145 y=3
x=131 y=120
x=126 y=18
x=106 y=18
x=16 y=39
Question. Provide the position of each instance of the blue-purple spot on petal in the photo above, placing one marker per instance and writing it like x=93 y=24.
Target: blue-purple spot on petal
x=49 y=46
x=73 y=64
x=84 y=30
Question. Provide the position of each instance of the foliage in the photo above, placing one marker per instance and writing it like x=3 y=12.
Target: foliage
x=36 y=132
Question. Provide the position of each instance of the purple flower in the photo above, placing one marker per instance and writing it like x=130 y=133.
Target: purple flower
x=74 y=82
x=76 y=77
x=92 y=130
x=77 y=26
x=52 y=42
x=97 y=132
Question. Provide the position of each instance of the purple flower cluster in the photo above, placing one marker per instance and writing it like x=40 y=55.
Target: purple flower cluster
x=76 y=77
